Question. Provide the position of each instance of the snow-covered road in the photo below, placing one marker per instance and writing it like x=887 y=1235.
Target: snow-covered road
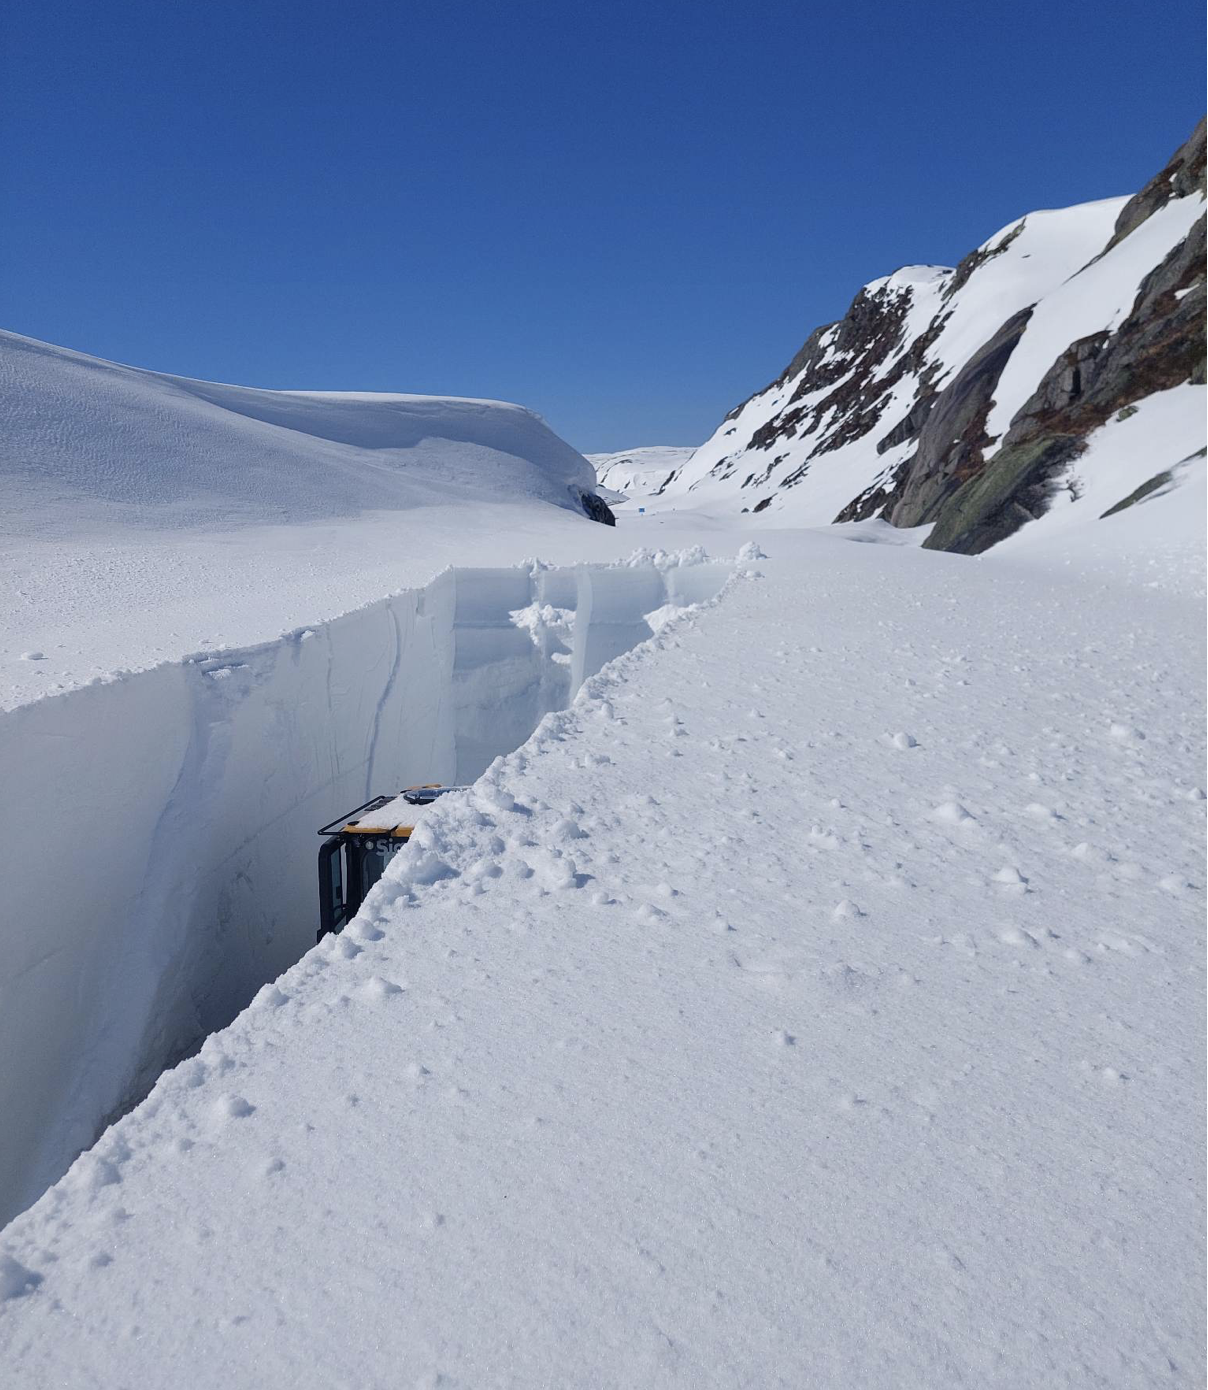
x=818 y=1001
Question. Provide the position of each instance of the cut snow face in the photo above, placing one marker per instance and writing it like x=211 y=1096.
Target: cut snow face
x=176 y=874
x=818 y=1001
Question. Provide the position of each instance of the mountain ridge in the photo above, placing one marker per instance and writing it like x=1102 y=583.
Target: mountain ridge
x=960 y=398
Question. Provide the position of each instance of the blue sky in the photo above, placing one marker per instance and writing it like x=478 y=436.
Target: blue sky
x=625 y=215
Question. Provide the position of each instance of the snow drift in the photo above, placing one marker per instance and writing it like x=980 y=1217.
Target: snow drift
x=91 y=445
x=164 y=824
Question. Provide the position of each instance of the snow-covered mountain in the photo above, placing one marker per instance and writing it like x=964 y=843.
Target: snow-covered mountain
x=638 y=473
x=971 y=399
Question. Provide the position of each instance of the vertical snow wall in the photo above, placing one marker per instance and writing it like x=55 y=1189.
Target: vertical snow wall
x=160 y=829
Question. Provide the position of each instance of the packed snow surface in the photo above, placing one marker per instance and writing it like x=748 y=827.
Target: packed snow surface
x=817 y=1001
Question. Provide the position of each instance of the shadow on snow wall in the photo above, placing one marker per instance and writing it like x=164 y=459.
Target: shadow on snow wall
x=162 y=846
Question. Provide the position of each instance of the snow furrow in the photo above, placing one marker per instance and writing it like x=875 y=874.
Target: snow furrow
x=164 y=824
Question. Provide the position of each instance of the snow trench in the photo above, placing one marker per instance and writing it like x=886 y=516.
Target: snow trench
x=161 y=846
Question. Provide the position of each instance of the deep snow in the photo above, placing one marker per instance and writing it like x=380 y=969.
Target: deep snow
x=818 y=1000
x=196 y=790
x=145 y=517
x=804 y=455
x=95 y=446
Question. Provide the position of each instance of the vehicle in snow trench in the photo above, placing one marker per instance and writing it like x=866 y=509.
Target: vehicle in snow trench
x=358 y=846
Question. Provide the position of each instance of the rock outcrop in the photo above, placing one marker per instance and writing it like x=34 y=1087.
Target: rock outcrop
x=597 y=509
x=962 y=399
x=1159 y=345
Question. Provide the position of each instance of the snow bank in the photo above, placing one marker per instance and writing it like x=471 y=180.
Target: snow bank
x=164 y=824
x=92 y=445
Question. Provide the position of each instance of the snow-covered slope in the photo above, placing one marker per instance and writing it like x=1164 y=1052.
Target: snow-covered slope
x=145 y=517
x=91 y=445
x=817 y=1001
x=961 y=398
x=637 y=473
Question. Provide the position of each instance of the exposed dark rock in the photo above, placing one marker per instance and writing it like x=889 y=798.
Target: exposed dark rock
x=845 y=356
x=909 y=426
x=953 y=440
x=1151 y=485
x=1182 y=175
x=597 y=509
x=1159 y=345
x=976 y=259
x=839 y=388
x=881 y=496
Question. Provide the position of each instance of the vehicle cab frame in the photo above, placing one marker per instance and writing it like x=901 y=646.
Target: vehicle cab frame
x=357 y=847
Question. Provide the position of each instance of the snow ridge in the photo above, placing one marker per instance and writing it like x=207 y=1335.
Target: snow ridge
x=93 y=446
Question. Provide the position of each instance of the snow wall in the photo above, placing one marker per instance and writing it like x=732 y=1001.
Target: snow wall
x=160 y=828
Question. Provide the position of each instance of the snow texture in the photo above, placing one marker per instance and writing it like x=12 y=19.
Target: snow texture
x=144 y=517
x=817 y=1000
x=92 y=445
x=1024 y=261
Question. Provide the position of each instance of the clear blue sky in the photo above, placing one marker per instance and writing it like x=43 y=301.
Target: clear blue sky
x=626 y=215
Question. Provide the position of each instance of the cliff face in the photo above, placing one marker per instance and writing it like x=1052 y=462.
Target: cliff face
x=963 y=398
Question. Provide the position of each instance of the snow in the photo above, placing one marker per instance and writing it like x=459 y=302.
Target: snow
x=635 y=474
x=817 y=999
x=396 y=812
x=806 y=988
x=93 y=445
x=146 y=517
x=1046 y=249
x=1030 y=259
x=1163 y=433
x=195 y=790
x=910 y=276
x=1099 y=297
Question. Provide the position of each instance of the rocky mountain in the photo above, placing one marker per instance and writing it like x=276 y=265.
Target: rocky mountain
x=974 y=399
